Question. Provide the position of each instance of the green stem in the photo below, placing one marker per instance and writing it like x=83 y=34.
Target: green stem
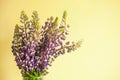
x=32 y=78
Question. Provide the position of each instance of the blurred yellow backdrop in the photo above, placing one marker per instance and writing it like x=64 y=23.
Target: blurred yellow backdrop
x=95 y=21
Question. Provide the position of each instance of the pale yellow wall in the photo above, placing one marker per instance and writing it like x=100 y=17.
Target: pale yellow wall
x=95 y=21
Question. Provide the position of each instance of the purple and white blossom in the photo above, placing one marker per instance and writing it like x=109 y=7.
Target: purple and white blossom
x=35 y=47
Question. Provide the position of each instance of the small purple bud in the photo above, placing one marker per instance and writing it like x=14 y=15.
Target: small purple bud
x=45 y=63
x=27 y=57
x=22 y=55
x=38 y=70
x=63 y=37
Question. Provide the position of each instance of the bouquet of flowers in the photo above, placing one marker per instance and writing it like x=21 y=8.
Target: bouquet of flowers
x=35 y=47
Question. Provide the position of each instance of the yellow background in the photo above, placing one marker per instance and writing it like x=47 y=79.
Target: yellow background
x=95 y=21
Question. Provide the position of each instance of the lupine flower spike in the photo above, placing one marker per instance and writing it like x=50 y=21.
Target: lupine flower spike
x=35 y=47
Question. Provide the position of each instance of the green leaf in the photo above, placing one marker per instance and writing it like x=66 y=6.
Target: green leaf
x=30 y=75
x=42 y=73
x=35 y=73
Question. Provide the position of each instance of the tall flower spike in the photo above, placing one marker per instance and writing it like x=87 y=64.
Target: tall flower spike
x=35 y=47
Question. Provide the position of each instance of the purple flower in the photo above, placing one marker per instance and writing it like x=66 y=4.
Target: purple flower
x=35 y=46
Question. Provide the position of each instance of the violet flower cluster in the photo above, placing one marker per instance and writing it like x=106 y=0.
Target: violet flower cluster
x=35 y=47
